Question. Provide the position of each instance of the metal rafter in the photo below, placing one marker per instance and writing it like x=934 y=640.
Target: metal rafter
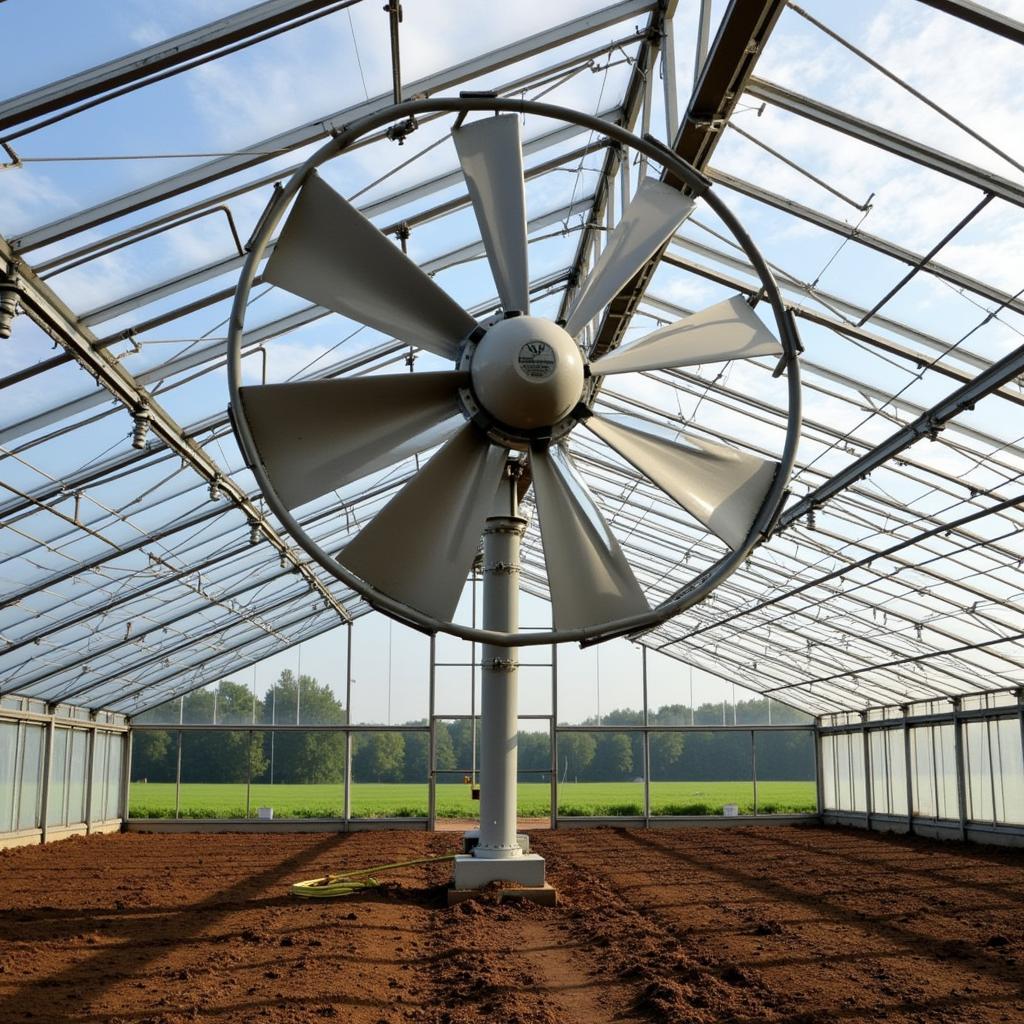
x=47 y=310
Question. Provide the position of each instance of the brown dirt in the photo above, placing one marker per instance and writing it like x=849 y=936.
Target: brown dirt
x=694 y=926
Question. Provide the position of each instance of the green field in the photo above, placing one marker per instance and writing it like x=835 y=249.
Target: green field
x=401 y=800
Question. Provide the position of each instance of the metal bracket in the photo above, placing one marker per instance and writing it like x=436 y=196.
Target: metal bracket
x=502 y=568
x=15 y=159
x=399 y=132
x=500 y=664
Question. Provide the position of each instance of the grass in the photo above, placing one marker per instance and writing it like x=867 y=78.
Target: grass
x=408 y=800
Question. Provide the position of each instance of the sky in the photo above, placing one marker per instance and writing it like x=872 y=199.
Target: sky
x=341 y=59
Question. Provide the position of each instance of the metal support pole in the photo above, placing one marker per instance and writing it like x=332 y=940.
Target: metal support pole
x=44 y=800
x=432 y=741
x=868 y=792
x=753 y=765
x=992 y=766
x=248 y=776
x=472 y=692
x=645 y=115
x=348 y=733
x=647 y=741
x=668 y=79
x=394 y=10
x=818 y=765
x=909 y=774
x=177 y=781
x=126 y=771
x=961 y=778
x=554 y=735
x=499 y=703
x=90 y=754
x=703 y=38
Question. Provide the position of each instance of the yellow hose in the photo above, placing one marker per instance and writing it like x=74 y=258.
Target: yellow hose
x=348 y=882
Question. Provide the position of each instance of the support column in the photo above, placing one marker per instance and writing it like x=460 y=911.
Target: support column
x=498 y=856
x=869 y=794
x=499 y=681
x=126 y=774
x=90 y=751
x=908 y=767
x=961 y=775
x=44 y=799
x=432 y=740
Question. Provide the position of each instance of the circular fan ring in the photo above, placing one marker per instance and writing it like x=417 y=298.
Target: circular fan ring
x=537 y=356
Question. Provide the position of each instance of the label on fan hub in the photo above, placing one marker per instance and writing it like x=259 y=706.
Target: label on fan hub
x=536 y=360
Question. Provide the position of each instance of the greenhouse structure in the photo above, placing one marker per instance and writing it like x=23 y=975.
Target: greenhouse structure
x=584 y=435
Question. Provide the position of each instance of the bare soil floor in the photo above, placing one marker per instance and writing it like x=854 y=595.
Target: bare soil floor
x=696 y=925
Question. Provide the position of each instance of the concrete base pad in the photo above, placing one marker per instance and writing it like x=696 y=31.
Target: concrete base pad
x=544 y=894
x=476 y=872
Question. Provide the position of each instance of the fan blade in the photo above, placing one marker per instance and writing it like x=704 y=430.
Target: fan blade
x=655 y=211
x=420 y=546
x=491 y=156
x=721 y=487
x=329 y=253
x=588 y=576
x=727 y=330
x=316 y=436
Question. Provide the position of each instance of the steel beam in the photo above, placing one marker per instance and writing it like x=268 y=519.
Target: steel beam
x=148 y=61
x=53 y=317
x=314 y=131
x=232 y=263
x=927 y=424
x=742 y=33
x=888 y=141
x=865 y=238
x=981 y=16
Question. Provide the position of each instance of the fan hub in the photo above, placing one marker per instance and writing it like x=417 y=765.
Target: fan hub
x=527 y=372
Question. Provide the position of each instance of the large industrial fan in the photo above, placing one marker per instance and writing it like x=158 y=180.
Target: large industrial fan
x=518 y=387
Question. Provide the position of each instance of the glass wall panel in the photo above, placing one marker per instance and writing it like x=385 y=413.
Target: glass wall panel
x=101 y=752
x=298 y=774
x=389 y=774
x=457 y=769
x=829 y=785
x=978 y=771
x=934 y=767
x=785 y=770
x=888 y=772
x=534 y=688
x=843 y=770
x=600 y=685
x=701 y=772
x=600 y=773
x=31 y=775
x=993 y=770
x=1008 y=740
x=8 y=764
x=154 y=771
x=456 y=778
x=55 y=814
x=112 y=780
x=453 y=690
x=533 y=796
x=390 y=673
x=77 y=768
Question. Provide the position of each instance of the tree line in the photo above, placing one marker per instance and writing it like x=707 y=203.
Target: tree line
x=387 y=756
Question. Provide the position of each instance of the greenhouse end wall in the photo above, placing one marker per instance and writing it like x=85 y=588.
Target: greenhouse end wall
x=946 y=774
x=62 y=772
